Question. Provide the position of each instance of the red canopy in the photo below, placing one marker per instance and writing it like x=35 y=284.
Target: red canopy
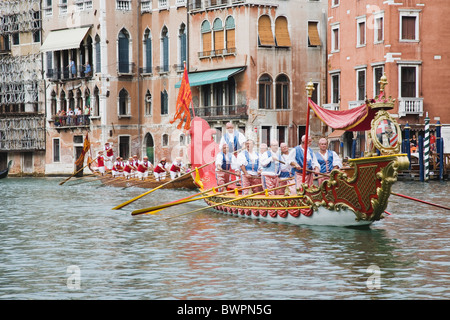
x=356 y=119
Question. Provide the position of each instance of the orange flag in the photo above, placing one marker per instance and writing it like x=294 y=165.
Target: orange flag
x=86 y=147
x=183 y=102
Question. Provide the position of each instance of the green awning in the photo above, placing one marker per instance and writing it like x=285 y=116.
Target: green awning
x=207 y=77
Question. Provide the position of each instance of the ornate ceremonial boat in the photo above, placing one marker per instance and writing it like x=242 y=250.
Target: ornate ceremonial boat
x=352 y=197
x=149 y=183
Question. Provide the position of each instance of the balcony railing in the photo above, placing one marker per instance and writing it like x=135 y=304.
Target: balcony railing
x=222 y=112
x=58 y=74
x=125 y=68
x=71 y=121
x=408 y=106
x=331 y=106
x=217 y=53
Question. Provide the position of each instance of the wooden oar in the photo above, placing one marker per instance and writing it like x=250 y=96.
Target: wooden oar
x=154 y=189
x=154 y=209
x=149 y=179
x=236 y=199
x=64 y=181
x=418 y=200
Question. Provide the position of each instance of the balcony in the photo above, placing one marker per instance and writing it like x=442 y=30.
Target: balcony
x=331 y=106
x=71 y=122
x=410 y=106
x=217 y=53
x=65 y=75
x=222 y=112
x=354 y=104
x=125 y=68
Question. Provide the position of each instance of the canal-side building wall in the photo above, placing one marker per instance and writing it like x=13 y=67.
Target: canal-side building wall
x=22 y=102
x=403 y=39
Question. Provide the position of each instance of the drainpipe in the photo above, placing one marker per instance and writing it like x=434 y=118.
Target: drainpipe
x=187 y=35
x=138 y=75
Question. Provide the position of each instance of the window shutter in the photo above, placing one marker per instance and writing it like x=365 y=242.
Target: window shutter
x=218 y=40
x=282 y=33
x=265 y=32
x=409 y=28
x=313 y=34
x=206 y=42
x=231 y=42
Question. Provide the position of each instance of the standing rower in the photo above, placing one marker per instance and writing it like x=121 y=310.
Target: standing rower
x=270 y=167
x=296 y=161
x=327 y=159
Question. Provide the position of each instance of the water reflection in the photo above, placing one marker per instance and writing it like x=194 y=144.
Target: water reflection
x=208 y=255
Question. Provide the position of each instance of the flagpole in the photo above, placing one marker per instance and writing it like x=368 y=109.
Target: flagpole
x=309 y=90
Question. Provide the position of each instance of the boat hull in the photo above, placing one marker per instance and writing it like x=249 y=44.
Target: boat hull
x=181 y=183
x=357 y=197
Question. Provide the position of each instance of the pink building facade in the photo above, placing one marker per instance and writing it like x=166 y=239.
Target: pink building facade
x=402 y=39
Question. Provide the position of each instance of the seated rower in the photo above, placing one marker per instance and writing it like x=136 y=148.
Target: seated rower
x=248 y=161
x=117 y=169
x=285 y=175
x=270 y=166
x=143 y=167
x=127 y=168
x=176 y=168
x=225 y=162
x=296 y=161
x=160 y=170
x=327 y=159
x=101 y=163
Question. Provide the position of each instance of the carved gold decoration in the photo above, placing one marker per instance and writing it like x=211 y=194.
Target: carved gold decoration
x=385 y=134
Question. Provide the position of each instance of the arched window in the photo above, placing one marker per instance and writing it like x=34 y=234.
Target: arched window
x=282 y=33
x=182 y=44
x=63 y=101
x=147 y=51
x=96 y=111
x=218 y=36
x=124 y=51
x=164 y=102
x=230 y=35
x=98 y=56
x=265 y=35
x=165 y=49
x=148 y=103
x=282 y=92
x=123 y=102
x=265 y=92
x=149 y=147
x=206 y=38
x=53 y=102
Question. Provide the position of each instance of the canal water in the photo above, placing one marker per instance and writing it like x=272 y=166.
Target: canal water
x=65 y=242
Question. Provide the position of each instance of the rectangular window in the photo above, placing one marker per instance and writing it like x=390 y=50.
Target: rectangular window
x=56 y=150
x=377 y=74
x=335 y=88
x=124 y=147
x=335 y=38
x=313 y=34
x=361 y=32
x=265 y=135
x=408 y=81
x=206 y=95
x=361 y=79
x=378 y=30
x=15 y=38
x=334 y=3
x=315 y=94
x=409 y=25
x=281 y=134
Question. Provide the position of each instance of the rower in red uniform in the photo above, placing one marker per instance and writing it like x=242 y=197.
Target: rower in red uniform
x=101 y=163
x=127 y=168
x=143 y=167
x=117 y=169
x=109 y=156
x=160 y=170
x=176 y=168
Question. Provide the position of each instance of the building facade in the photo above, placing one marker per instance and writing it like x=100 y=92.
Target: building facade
x=22 y=105
x=110 y=71
x=404 y=40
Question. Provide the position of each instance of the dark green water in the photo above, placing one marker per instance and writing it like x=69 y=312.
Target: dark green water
x=65 y=242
